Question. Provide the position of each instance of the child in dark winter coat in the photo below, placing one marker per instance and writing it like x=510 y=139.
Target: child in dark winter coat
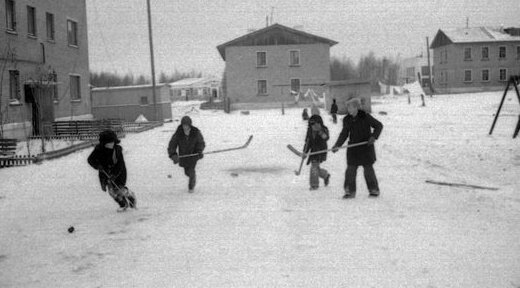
x=305 y=114
x=316 y=140
x=188 y=140
x=107 y=157
x=359 y=126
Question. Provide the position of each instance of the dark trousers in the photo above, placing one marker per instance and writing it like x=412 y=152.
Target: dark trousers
x=334 y=118
x=370 y=178
x=190 y=172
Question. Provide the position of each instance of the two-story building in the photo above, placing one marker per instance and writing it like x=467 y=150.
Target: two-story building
x=475 y=58
x=44 y=49
x=415 y=69
x=270 y=65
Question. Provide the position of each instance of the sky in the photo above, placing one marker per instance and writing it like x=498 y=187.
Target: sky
x=187 y=32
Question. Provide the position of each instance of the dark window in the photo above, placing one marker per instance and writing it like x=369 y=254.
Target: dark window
x=14 y=85
x=144 y=100
x=294 y=58
x=261 y=59
x=467 y=53
x=485 y=75
x=502 y=52
x=75 y=89
x=72 y=32
x=425 y=71
x=31 y=21
x=502 y=74
x=262 y=87
x=467 y=76
x=295 y=85
x=10 y=15
x=485 y=53
x=50 y=26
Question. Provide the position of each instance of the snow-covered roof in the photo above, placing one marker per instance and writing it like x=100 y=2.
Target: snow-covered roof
x=158 y=85
x=473 y=35
x=190 y=82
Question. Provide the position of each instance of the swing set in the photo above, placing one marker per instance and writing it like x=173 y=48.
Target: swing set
x=515 y=81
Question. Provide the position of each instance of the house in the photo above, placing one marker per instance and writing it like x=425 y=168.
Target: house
x=128 y=102
x=270 y=65
x=345 y=90
x=195 y=89
x=475 y=58
x=414 y=67
x=44 y=49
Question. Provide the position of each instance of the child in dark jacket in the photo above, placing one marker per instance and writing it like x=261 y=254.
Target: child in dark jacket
x=107 y=157
x=188 y=140
x=316 y=140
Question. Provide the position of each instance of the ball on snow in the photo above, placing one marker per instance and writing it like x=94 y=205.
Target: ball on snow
x=71 y=229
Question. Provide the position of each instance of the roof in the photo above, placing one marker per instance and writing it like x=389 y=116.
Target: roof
x=275 y=34
x=348 y=82
x=473 y=35
x=191 y=82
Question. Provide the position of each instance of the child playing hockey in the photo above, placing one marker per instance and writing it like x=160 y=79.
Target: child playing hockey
x=316 y=140
x=359 y=126
x=188 y=140
x=107 y=158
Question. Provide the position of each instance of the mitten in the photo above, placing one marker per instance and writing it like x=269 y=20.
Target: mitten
x=175 y=158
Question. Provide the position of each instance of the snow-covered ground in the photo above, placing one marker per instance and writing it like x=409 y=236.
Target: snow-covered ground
x=252 y=223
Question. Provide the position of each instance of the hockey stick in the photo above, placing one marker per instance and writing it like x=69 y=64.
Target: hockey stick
x=221 y=150
x=300 y=154
x=297 y=172
x=131 y=193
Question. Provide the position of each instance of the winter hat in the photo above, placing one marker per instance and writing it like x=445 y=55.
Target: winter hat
x=186 y=120
x=108 y=136
x=316 y=119
x=355 y=102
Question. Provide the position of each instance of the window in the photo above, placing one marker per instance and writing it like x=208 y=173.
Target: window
x=502 y=52
x=485 y=53
x=425 y=71
x=467 y=75
x=50 y=26
x=14 y=85
x=10 y=15
x=502 y=72
x=75 y=89
x=294 y=56
x=143 y=100
x=467 y=54
x=485 y=75
x=31 y=21
x=262 y=87
x=72 y=32
x=295 y=85
x=261 y=59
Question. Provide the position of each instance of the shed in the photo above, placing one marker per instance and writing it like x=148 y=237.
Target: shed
x=345 y=90
x=128 y=102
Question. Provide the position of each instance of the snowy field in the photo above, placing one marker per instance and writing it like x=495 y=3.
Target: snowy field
x=252 y=223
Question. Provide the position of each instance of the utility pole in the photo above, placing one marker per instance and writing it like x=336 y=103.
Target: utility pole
x=429 y=66
x=152 y=60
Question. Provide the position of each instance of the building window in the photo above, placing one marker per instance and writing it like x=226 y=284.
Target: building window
x=54 y=82
x=502 y=72
x=502 y=52
x=467 y=76
x=425 y=71
x=262 y=87
x=261 y=59
x=10 y=15
x=75 y=89
x=294 y=58
x=72 y=32
x=143 y=100
x=467 y=54
x=485 y=75
x=31 y=21
x=485 y=53
x=295 y=85
x=50 y=26
x=14 y=85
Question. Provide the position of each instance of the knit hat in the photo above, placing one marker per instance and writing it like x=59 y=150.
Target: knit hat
x=108 y=136
x=356 y=102
x=316 y=119
x=186 y=120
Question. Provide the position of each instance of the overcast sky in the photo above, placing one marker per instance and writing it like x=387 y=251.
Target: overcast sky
x=186 y=32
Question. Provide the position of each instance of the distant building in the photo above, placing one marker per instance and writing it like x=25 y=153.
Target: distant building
x=414 y=67
x=271 y=64
x=345 y=90
x=128 y=102
x=475 y=58
x=195 y=89
x=44 y=49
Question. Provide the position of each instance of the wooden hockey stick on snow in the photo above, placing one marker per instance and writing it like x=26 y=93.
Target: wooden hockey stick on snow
x=221 y=150
x=460 y=185
x=300 y=154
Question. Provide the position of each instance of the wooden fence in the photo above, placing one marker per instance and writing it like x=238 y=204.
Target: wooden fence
x=16 y=160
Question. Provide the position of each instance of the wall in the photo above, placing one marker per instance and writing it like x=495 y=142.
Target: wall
x=343 y=93
x=242 y=72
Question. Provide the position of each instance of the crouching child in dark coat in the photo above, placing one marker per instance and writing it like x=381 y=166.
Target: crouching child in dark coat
x=316 y=140
x=359 y=126
x=187 y=141
x=107 y=158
